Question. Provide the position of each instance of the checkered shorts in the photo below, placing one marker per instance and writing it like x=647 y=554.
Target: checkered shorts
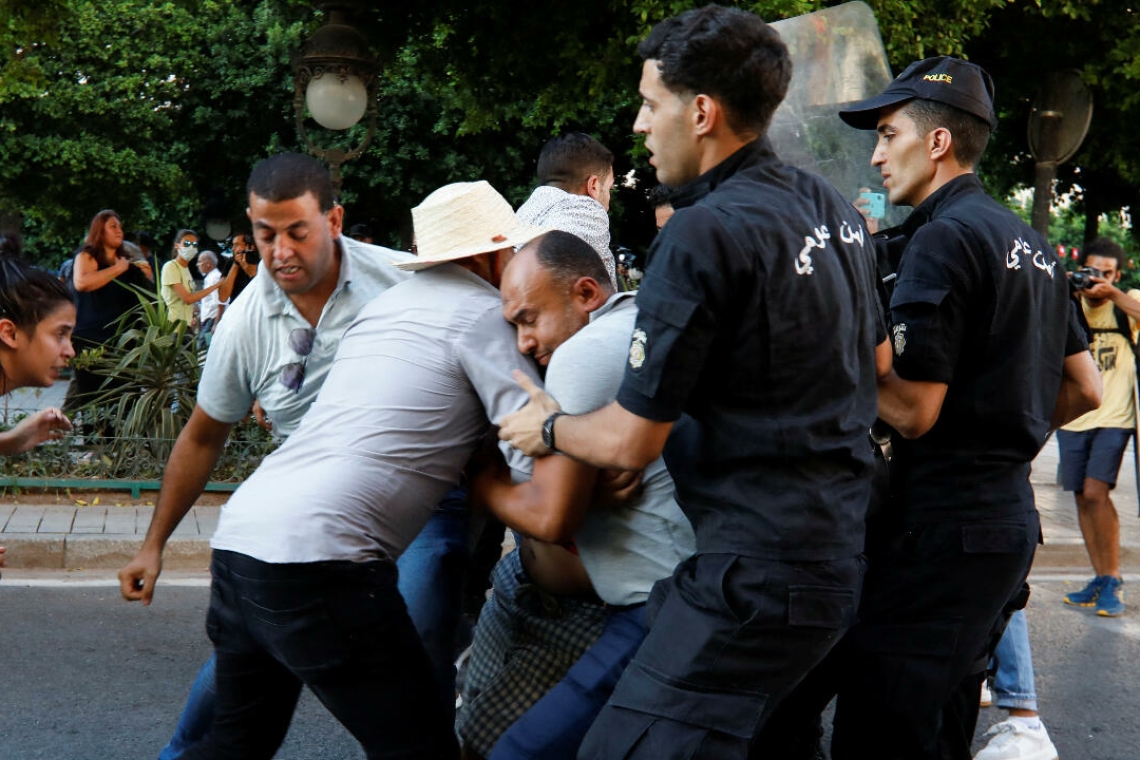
x=525 y=642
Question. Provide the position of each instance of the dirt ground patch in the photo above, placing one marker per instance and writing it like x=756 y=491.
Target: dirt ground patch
x=82 y=497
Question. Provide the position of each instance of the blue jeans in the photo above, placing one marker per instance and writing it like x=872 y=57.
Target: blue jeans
x=554 y=727
x=338 y=628
x=1013 y=685
x=197 y=715
x=431 y=573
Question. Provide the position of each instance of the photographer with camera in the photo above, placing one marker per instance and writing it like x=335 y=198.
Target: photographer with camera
x=1092 y=446
x=245 y=258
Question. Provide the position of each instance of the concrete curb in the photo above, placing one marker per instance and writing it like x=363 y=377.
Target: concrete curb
x=107 y=551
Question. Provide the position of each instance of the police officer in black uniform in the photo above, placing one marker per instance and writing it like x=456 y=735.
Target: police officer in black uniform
x=987 y=358
x=752 y=364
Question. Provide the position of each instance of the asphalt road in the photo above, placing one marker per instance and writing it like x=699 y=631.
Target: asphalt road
x=84 y=675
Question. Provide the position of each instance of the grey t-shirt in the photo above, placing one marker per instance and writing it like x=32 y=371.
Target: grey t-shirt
x=625 y=549
x=251 y=345
x=415 y=380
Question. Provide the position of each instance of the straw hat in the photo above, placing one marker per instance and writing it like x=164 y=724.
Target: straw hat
x=465 y=219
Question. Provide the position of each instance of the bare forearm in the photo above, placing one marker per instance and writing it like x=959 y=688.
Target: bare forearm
x=1071 y=404
x=187 y=473
x=550 y=506
x=227 y=286
x=605 y=439
x=87 y=282
x=1081 y=389
x=1127 y=304
x=521 y=507
x=10 y=443
x=189 y=297
x=909 y=407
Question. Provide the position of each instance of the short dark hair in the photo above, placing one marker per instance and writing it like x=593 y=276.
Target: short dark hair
x=569 y=160
x=360 y=229
x=1105 y=248
x=143 y=239
x=27 y=293
x=970 y=133
x=568 y=257
x=728 y=54
x=660 y=195
x=290 y=175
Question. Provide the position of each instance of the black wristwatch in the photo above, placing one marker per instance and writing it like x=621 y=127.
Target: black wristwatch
x=548 y=430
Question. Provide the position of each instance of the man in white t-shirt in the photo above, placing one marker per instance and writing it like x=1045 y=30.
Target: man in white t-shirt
x=304 y=578
x=278 y=344
x=276 y=347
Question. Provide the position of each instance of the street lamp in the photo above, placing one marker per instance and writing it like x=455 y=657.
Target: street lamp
x=335 y=76
x=1058 y=123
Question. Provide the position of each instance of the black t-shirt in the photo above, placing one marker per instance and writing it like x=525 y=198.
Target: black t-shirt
x=758 y=322
x=98 y=311
x=981 y=304
x=241 y=279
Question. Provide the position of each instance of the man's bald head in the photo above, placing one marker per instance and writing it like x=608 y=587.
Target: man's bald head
x=549 y=289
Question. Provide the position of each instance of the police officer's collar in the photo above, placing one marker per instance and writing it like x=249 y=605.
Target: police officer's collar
x=939 y=199
x=755 y=152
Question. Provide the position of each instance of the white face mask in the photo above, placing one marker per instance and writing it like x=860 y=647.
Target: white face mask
x=187 y=251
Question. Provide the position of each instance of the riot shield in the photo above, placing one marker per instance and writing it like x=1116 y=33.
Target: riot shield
x=838 y=59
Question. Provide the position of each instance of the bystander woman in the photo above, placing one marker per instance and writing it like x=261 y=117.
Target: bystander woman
x=103 y=275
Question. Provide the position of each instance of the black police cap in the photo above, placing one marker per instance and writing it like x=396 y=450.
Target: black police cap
x=952 y=81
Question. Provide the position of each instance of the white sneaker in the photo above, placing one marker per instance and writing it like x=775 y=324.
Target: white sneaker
x=1010 y=740
x=987 y=698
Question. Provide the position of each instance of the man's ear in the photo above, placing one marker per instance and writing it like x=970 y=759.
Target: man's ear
x=941 y=143
x=336 y=219
x=594 y=186
x=706 y=114
x=589 y=293
x=9 y=333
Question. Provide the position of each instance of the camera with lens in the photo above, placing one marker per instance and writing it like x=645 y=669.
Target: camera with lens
x=1082 y=278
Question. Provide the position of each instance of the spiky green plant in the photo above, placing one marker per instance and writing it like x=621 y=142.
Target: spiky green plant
x=151 y=370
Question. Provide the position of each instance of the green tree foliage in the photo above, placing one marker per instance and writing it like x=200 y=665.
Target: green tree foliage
x=159 y=108
x=1101 y=40
x=140 y=106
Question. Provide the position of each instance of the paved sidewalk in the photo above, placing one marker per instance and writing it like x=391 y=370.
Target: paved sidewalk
x=1064 y=547
x=99 y=537
x=106 y=537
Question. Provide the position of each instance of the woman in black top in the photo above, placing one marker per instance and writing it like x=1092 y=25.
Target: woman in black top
x=101 y=273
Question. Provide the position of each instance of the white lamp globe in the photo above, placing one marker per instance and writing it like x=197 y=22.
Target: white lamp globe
x=335 y=104
x=218 y=229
